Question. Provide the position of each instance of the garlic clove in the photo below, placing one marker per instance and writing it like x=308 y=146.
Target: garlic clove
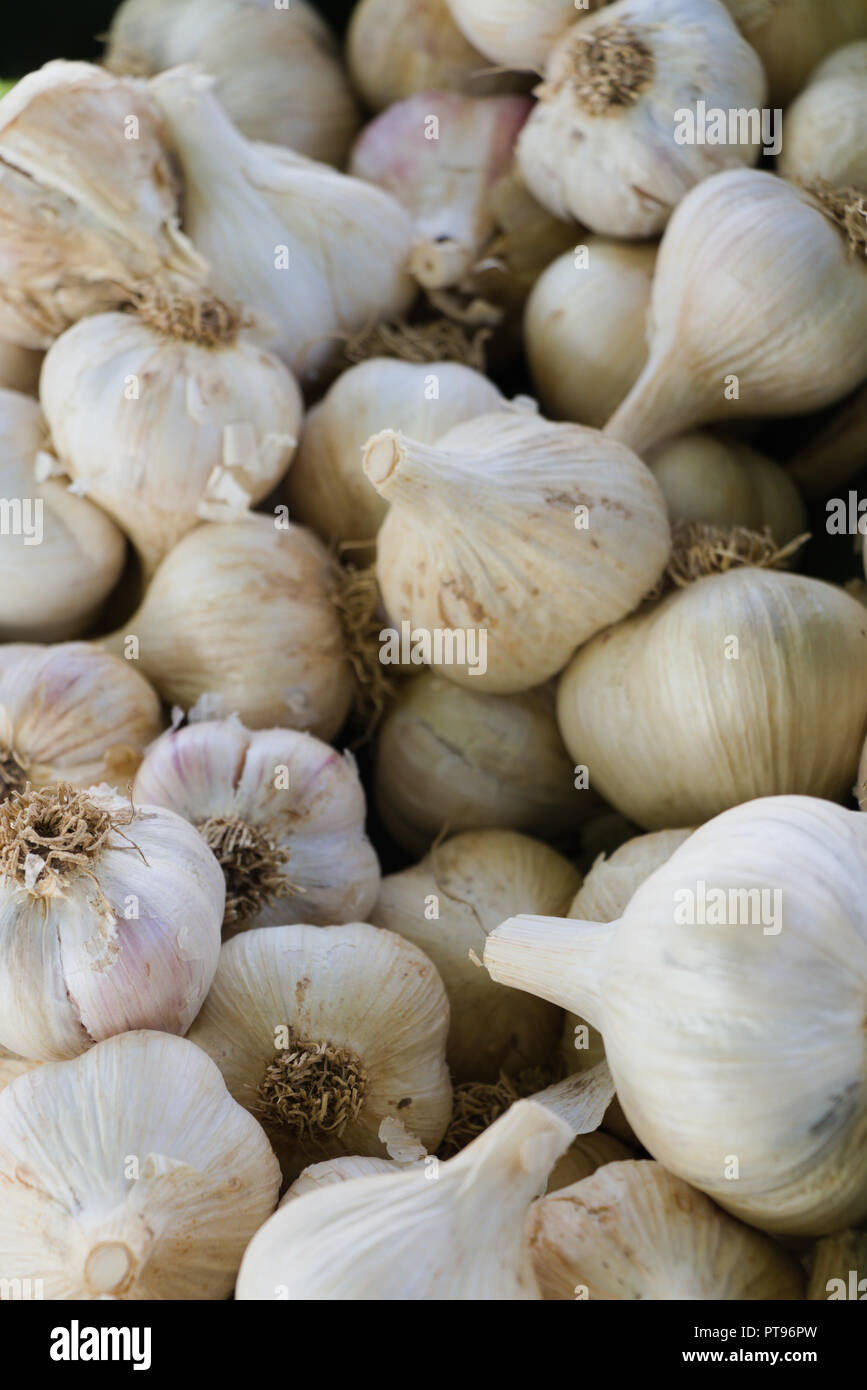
x=707 y=363
x=822 y=134
x=791 y=37
x=179 y=393
x=631 y=1230
x=130 y=1173
x=283 y=812
x=240 y=597
x=70 y=713
x=324 y=1032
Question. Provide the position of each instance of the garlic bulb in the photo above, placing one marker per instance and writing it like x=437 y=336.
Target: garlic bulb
x=793 y=343
x=395 y=48
x=823 y=135
x=324 y=1032
x=721 y=692
x=19 y=368
x=446 y=905
x=726 y=483
x=334 y=1170
x=730 y=997
x=109 y=920
x=515 y=33
x=791 y=36
x=168 y=417
x=603 y=144
x=836 y=453
x=502 y=510
x=584 y=1156
x=838 y=1268
x=584 y=329
x=277 y=69
x=861 y=788
x=315 y=255
x=283 y=812
x=89 y=200
x=240 y=615
x=326 y=486
x=130 y=1173
x=448 y=758
x=70 y=713
x=632 y=1230
x=361 y=1239
x=59 y=554
x=438 y=154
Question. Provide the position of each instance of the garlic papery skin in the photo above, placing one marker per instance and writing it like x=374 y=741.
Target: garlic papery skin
x=791 y=36
x=71 y=713
x=449 y=759
x=603 y=143
x=324 y=1032
x=632 y=1230
x=283 y=812
x=443 y=182
x=110 y=920
x=89 y=200
x=719 y=693
x=240 y=615
x=326 y=487
x=315 y=255
x=130 y=1173
x=334 y=1170
x=823 y=129
x=277 y=69
x=705 y=477
x=584 y=328
x=795 y=341
x=395 y=48
x=735 y=1036
x=168 y=417
x=361 y=1239
x=60 y=555
x=514 y=34
x=838 y=1267
x=19 y=368
x=13 y=1067
x=586 y=1154
x=446 y=905
x=501 y=511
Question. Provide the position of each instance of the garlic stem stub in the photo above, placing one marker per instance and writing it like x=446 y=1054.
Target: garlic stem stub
x=324 y=1032
x=521 y=536
x=110 y=920
x=730 y=999
x=794 y=340
x=195 y=422
x=282 y=811
x=74 y=714
x=240 y=618
x=130 y=1173
x=361 y=1239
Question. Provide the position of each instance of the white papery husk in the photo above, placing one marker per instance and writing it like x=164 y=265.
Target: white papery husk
x=315 y=255
x=87 y=210
x=470 y=881
x=714 y=695
x=299 y=795
x=71 y=713
x=239 y=619
x=601 y=147
x=124 y=935
x=515 y=33
x=130 y=1173
x=486 y=532
x=164 y=427
x=52 y=580
x=631 y=1230
x=277 y=69
x=737 y=1053
x=823 y=129
x=326 y=486
x=353 y=987
x=791 y=36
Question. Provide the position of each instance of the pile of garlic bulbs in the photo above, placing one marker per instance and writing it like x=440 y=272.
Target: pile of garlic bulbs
x=433 y=654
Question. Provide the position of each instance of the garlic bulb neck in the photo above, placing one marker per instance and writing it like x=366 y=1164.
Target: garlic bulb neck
x=610 y=67
x=558 y=960
x=847 y=209
x=253 y=866
x=185 y=94
x=203 y=319
x=312 y=1090
x=47 y=835
x=116 y=1254
x=440 y=261
x=395 y=464
x=514 y=1157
